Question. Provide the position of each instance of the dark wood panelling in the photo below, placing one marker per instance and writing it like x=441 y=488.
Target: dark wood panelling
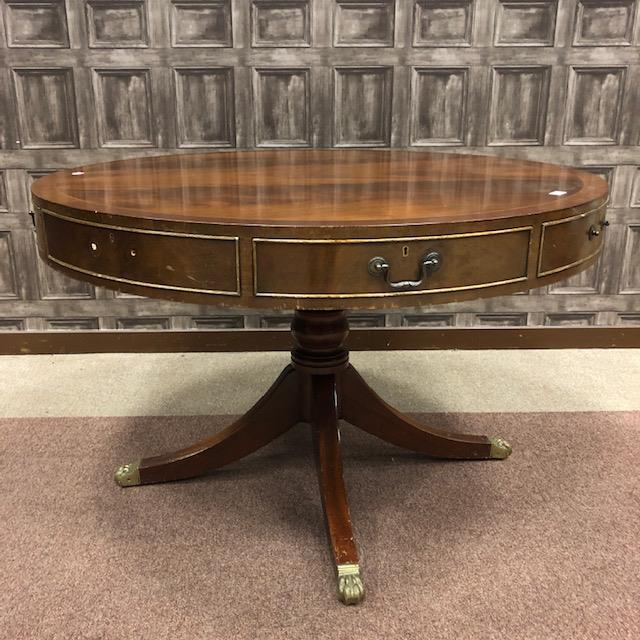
x=579 y=337
x=427 y=74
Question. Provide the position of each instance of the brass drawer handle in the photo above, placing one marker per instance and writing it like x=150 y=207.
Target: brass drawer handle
x=429 y=263
x=594 y=230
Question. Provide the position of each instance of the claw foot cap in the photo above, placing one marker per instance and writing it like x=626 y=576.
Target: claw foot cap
x=128 y=475
x=350 y=587
x=500 y=448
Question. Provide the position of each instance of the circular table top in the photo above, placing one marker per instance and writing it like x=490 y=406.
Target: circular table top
x=320 y=228
x=319 y=187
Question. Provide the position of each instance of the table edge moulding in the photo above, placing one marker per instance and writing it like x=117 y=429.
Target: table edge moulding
x=319 y=231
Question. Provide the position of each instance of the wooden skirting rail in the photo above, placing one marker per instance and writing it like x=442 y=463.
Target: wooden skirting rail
x=377 y=339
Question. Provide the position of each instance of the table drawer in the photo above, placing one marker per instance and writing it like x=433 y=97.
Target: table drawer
x=566 y=243
x=159 y=259
x=340 y=268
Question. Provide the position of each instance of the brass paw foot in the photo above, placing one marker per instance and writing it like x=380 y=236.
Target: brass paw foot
x=350 y=587
x=500 y=448
x=128 y=475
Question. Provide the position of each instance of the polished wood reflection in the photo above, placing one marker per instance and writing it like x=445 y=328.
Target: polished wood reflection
x=306 y=187
x=297 y=228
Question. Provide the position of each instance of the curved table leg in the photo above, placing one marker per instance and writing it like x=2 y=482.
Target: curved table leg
x=276 y=412
x=326 y=439
x=363 y=407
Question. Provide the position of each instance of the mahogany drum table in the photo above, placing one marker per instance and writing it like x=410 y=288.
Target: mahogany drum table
x=319 y=231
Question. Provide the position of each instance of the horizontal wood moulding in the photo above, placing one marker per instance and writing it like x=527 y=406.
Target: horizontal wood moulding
x=376 y=339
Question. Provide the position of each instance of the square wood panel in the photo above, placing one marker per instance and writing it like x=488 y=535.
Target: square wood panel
x=201 y=24
x=604 y=22
x=117 y=23
x=594 y=105
x=364 y=24
x=123 y=107
x=518 y=111
x=41 y=24
x=362 y=106
x=525 y=23
x=280 y=23
x=442 y=23
x=46 y=108
x=205 y=107
x=438 y=114
x=282 y=103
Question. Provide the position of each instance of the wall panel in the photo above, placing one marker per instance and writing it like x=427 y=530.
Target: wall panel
x=212 y=126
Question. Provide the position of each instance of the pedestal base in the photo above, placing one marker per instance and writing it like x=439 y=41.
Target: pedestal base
x=319 y=387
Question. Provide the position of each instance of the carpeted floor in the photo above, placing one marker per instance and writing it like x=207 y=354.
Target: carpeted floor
x=541 y=546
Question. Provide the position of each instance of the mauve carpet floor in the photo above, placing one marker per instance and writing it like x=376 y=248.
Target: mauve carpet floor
x=543 y=545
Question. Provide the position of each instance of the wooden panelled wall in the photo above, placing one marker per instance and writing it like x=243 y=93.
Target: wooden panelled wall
x=93 y=80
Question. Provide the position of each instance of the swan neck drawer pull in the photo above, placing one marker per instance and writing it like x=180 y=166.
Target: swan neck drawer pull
x=429 y=263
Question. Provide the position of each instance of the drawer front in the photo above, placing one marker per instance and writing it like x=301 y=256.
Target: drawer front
x=340 y=268
x=158 y=259
x=566 y=243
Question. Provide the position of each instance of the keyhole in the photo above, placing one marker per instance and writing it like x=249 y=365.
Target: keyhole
x=405 y=251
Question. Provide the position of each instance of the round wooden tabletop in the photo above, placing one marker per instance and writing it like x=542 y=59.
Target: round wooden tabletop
x=320 y=228
x=308 y=187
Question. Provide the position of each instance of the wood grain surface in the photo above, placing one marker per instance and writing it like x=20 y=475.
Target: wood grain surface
x=307 y=187
x=297 y=229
